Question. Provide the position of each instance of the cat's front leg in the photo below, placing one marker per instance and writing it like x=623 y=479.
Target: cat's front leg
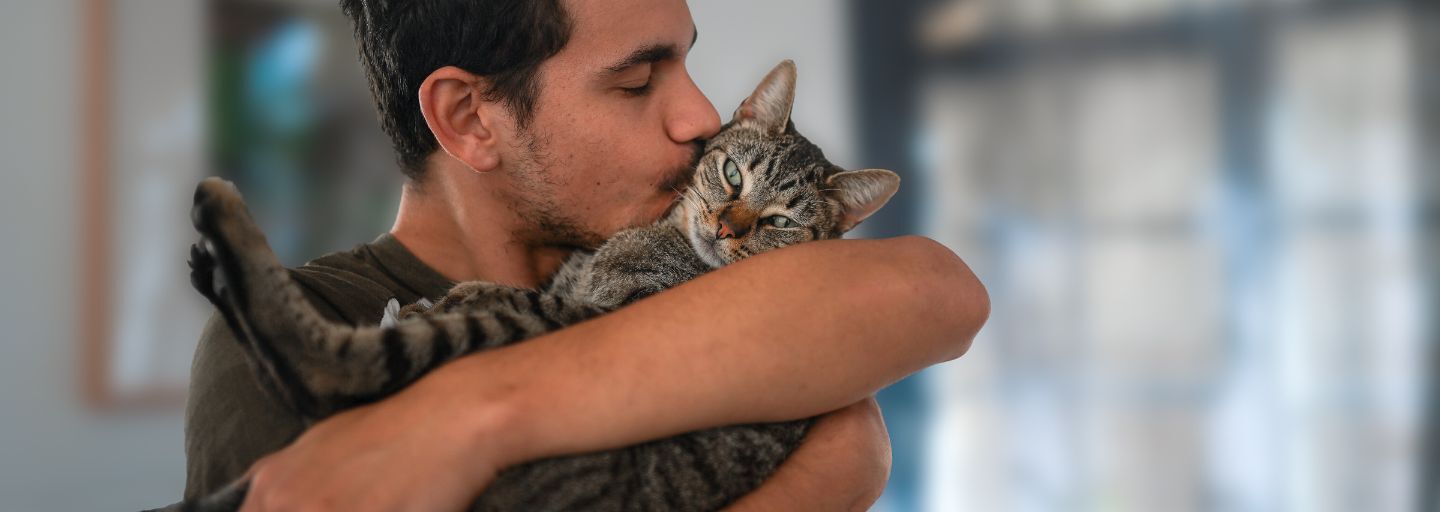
x=465 y=296
x=554 y=311
x=475 y=295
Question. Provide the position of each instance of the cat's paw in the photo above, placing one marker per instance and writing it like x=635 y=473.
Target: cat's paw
x=394 y=313
x=232 y=258
x=202 y=273
x=414 y=310
x=220 y=216
x=213 y=262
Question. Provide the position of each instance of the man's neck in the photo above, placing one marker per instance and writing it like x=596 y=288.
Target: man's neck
x=470 y=237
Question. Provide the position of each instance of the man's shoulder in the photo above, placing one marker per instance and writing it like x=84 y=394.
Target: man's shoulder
x=353 y=286
x=344 y=287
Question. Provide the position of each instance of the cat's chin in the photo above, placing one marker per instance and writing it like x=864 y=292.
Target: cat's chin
x=710 y=254
x=705 y=249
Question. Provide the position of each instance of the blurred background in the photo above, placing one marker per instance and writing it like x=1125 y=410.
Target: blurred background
x=1204 y=225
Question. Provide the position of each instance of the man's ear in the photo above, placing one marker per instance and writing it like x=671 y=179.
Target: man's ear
x=860 y=193
x=463 y=121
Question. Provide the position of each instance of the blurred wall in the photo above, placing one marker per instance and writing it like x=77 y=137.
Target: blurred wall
x=741 y=40
x=1305 y=403
x=55 y=454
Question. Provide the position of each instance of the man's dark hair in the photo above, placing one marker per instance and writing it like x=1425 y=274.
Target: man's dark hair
x=402 y=41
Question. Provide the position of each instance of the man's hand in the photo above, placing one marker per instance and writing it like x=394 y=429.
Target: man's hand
x=843 y=464
x=395 y=455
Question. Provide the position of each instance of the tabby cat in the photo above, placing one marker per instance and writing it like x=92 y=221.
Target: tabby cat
x=759 y=185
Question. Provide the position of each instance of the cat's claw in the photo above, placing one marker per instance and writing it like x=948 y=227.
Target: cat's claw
x=202 y=271
x=203 y=275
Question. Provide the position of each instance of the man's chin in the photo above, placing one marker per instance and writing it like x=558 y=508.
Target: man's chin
x=659 y=208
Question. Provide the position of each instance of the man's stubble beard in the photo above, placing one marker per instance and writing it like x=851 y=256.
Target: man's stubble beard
x=537 y=203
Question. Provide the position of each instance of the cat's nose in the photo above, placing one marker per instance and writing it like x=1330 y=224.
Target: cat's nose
x=735 y=222
x=728 y=231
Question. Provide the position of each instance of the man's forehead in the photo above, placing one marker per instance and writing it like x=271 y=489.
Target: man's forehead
x=607 y=32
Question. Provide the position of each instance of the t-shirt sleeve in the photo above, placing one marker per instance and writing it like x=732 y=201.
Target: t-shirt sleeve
x=230 y=422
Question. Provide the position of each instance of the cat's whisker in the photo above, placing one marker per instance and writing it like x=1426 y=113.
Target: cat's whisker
x=689 y=201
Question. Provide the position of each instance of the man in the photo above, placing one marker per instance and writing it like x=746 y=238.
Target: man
x=530 y=128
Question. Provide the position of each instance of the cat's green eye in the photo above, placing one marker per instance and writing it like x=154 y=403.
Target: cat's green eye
x=780 y=221
x=732 y=174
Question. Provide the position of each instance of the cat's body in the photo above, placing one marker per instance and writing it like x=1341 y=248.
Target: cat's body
x=759 y=186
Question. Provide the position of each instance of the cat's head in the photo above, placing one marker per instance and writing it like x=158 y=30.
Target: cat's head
x=760 y=185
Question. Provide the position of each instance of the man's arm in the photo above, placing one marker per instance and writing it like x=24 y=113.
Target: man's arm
x=784 y=335
x=843 y=464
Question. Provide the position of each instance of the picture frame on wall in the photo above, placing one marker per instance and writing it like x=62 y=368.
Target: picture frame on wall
x=142 y=101
x=266 y=94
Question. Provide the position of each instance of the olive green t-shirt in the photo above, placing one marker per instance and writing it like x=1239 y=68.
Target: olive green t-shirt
x=230 y=422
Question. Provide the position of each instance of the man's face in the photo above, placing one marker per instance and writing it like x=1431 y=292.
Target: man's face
x=617 y=125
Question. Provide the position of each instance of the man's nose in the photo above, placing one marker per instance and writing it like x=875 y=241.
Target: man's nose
x=691 y=117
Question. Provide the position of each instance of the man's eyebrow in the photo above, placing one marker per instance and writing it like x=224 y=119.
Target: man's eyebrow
x=649 y=54
x=643 y=55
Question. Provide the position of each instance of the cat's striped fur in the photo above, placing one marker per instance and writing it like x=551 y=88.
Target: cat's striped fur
x=787 y=193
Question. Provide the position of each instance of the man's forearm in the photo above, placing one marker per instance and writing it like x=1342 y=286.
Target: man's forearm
x=780 y=336
x=843 y=464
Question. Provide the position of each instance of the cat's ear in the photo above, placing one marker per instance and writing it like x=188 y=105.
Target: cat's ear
x=769 y=106
x=860 y=193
